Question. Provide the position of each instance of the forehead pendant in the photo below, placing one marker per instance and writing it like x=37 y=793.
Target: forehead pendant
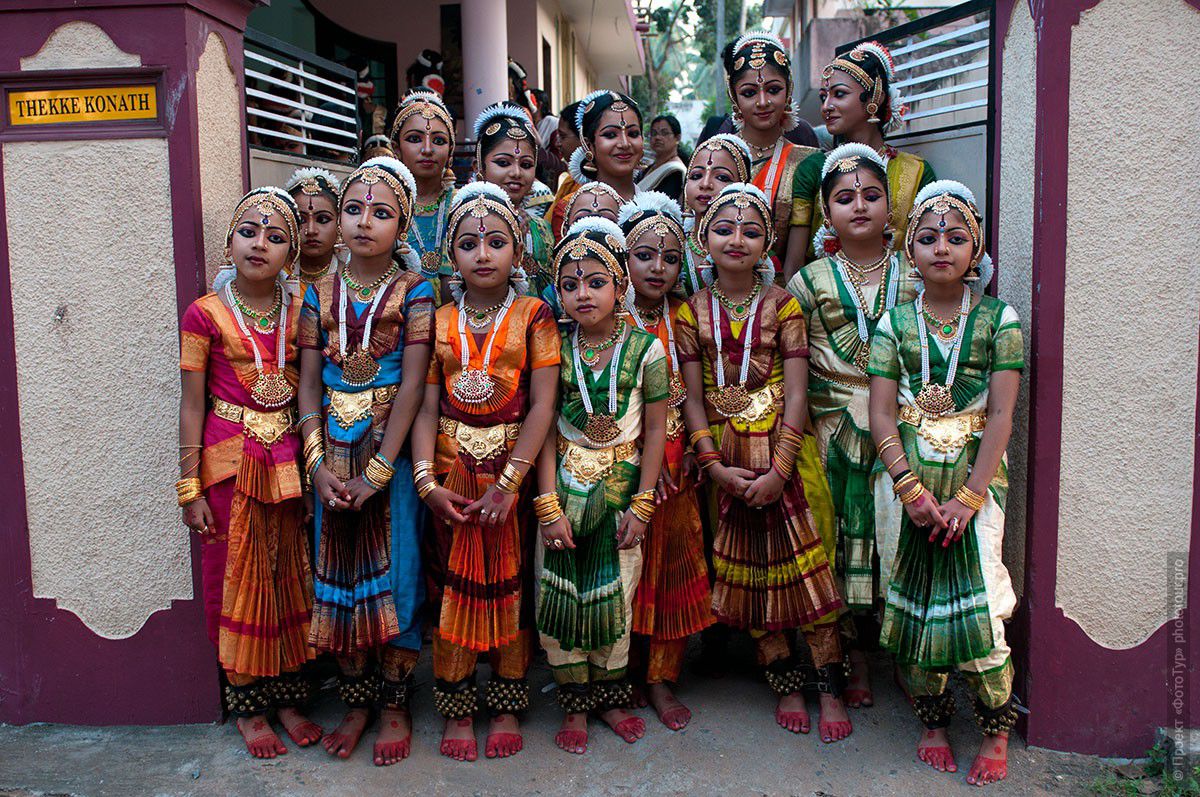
x=579 y=268
x=857 y=182
x=942 y=222
x=264 y=210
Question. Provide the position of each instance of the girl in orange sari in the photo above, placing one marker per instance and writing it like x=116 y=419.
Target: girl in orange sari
x=489 y=402
x=240 y=486
x=673 y=596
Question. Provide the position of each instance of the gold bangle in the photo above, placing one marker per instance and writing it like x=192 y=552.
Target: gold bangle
x=522 y=461
x=892 y=444
x=426 y=488
x=905 y=480
x=889 y=465
x=547 y=508
x=970 y=499
x=509 y=480
x=700 y=434
x=879 y=446
x=188 y=490
x=913 y=495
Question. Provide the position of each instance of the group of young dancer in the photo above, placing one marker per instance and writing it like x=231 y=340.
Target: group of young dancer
x=601 y=424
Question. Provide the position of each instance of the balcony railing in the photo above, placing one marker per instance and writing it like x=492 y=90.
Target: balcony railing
x=298 y=102
x=942 y=67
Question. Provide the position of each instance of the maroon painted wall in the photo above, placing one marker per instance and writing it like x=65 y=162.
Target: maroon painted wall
x=1082 y=697
x=52 y=667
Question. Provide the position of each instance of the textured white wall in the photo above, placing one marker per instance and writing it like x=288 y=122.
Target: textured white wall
x=94 y=311
x=1015 y=256
x=1132 y=292
x=78 y=45
x=220 y=137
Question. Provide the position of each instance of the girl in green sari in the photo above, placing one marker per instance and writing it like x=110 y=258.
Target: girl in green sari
x=597 y=479
x=843 y=296
x=945 y=370
x=859 y=104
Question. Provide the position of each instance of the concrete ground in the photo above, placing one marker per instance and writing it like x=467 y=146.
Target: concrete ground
x=732 y=746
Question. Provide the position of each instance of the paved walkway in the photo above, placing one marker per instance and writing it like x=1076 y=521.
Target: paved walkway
x=731 y=747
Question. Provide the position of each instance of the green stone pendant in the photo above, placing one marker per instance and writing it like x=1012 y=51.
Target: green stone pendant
x=365 y=293
x=589 y=354
x=264 y=323
x=739 y=309
x=948 y=330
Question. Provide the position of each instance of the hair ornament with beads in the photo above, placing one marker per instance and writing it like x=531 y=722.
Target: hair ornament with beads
x=477 y=200
x=266 y=201
x=735 y=146
x=941 y=197
x=743 y=196
x=755 y=50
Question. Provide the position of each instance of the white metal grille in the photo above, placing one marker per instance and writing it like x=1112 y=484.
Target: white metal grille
x=298 y=102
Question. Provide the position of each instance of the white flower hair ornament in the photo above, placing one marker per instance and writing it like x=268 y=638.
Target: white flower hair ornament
x=849 y=152
x=650 y=202
x=312 y=174
x=575 y=166
x=496 y=112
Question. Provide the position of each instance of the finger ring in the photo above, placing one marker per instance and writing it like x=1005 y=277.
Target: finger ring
x=637 y=539
x=558 y=543
x=332 y=502
x=954 y=524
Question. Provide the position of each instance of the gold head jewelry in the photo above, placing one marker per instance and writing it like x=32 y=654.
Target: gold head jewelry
x=659 y=224
x=370 y=175
x=479 y=207
x=741 y=200
x=583 y=247
x=739 y=158
x=267 y=204
x=942 y=204
x=427 y=109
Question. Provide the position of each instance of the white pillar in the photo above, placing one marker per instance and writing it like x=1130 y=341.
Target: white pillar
x=484 y=55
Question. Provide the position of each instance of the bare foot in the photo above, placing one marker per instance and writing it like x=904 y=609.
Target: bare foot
x=300 y=728
x=458 y=740
x=934 y=750
x=639 y=696
x=991 y=764
x=573 y=735
x=858 y=692
x=342 y=741
x=260 y=738
x=834 y=722
x=674 y=715
x=394 y=741
x=504 y=737
x=792 y=713
x=624 y=724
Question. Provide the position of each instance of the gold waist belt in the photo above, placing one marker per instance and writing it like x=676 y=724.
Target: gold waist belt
x=946 y=434
x=590 y=465
x=265 y=427
x=845 y=380
x=481 y=442
x=757 y=405
x=350 y=408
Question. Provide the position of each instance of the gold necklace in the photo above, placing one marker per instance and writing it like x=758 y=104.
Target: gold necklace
x=861 y=272
x=263 y=321
x=944 y=328
x=591 y=351
x=364 y=291
x=738 y=311
x=480 y=317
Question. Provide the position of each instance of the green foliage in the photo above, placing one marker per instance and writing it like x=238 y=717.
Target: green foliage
x=1158 y=779
x=706 y=29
